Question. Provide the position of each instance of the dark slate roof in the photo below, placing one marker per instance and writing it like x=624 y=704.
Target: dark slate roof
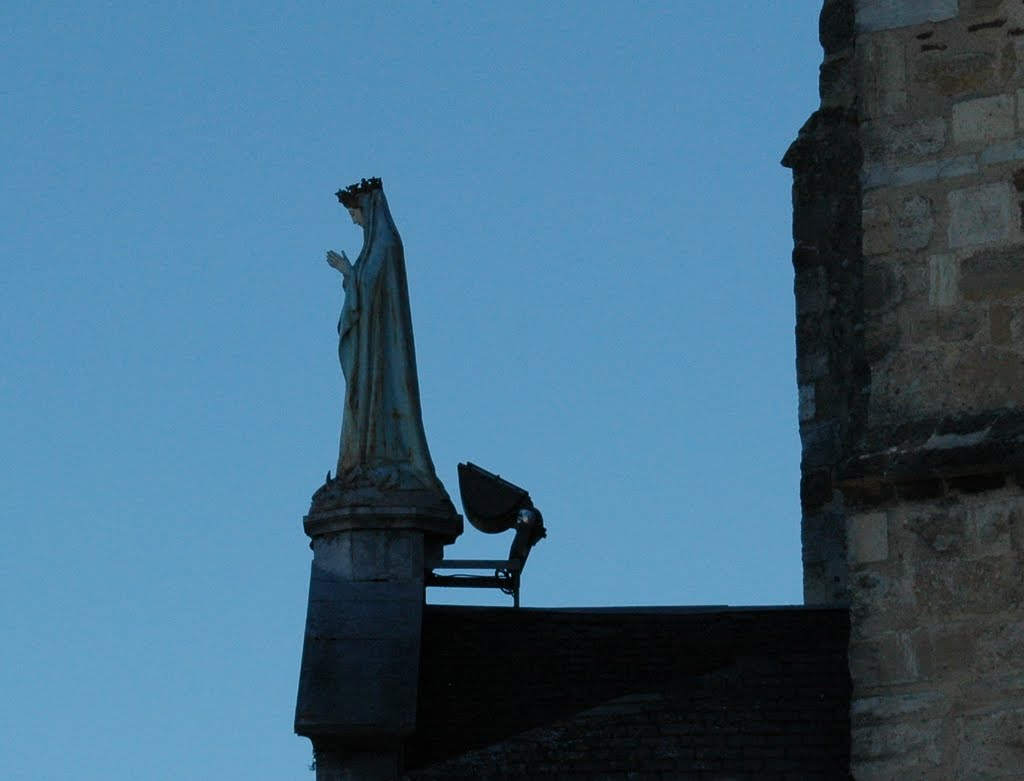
x=656 y=693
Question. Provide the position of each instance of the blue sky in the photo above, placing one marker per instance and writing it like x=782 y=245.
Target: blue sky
x=597 y=234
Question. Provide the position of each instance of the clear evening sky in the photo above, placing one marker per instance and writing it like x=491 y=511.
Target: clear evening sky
x=597 y=235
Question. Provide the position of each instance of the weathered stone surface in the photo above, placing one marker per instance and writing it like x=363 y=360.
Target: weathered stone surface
x=993 y=275
x=956 y=73
x=882 y=288
x=914 y=223
x=886 y=142
x=964 y=165
x=982 y=215
x=989 y=377
x=956 y=588
x=992 y=524
x=881 y=338
x=372 y=555
x=916 y=705
x=884 y=659
x=836 y=26
x=806 y=402
x=884 y=88
x=875 y=15
x=992 y=743
x=941 y=533
x=811 y=291
x=943 y=280
x=993 y=154
x=930 y=325
x=867 y=538
x=877 y=226
x=974 y=8
x=837 y=87
x=1001 y=324
x=811 y=367
x=918 y=743
x=931 y=508
x=889 y=175
x=983 y=119
x=820 y=442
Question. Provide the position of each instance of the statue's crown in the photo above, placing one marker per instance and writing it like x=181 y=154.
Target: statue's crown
x=349 y=197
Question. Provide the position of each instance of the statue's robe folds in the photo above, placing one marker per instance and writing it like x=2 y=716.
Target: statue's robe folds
x=383 y=444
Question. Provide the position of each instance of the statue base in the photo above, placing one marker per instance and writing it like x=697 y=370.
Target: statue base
x=360 y=658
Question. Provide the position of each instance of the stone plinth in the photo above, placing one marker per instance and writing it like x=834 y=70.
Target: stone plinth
x=360 y=658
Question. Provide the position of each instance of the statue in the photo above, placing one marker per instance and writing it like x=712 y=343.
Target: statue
x=383 y=445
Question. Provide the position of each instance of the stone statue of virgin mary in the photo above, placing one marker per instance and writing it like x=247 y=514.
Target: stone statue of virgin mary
x=383 y=445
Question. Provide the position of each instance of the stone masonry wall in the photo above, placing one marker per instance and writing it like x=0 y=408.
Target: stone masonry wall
x=941 y=116
x=831 y=367
x=937 y=640
x=923 y=480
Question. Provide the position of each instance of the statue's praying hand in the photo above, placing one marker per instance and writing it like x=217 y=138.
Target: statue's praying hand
x=339 y=262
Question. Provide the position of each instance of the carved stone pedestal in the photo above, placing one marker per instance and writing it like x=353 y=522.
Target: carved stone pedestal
x=360 y=658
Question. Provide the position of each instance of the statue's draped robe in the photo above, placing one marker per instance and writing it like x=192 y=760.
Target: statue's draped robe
x=382 y=439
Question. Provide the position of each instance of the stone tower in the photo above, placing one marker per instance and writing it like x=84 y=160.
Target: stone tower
x=909 y=260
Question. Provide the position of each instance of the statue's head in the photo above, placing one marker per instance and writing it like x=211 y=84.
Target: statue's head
x=352 y=197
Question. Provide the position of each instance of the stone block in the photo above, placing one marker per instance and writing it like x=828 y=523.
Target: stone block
x=884 y=141
x=837 y=80
x=920 y=742
x=815 y=490
x=360 y=657
x=1002 y=687
x=884 y=91
x=823 y=537
x=881 y=336
x=995 y=274
x=372 y=555
x=973 y=8
x=888 y=707
x=917 y=173
x=965 y=165
x=825 y=583
x=993 y=154
x=983 y=120
x=885 y=659
x=936 y=533
x=874 y=15
x=882 y=290
x=982 y=215
x=943 y=280
x=988 y=377
x=991 y=744
x=806 y=394
x=1000 y=324
x=999 y=650
x=811 y=366
x=882 y=600
x=945 y=649
x=952 y=588
x=991 y=524
x=867 y=538
x=876 y=224
x=810 y=290
x=958 y=326
x=955 y=73
x=836 y=26
x=873 y=177
x=914 y=223
x=820 y=443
